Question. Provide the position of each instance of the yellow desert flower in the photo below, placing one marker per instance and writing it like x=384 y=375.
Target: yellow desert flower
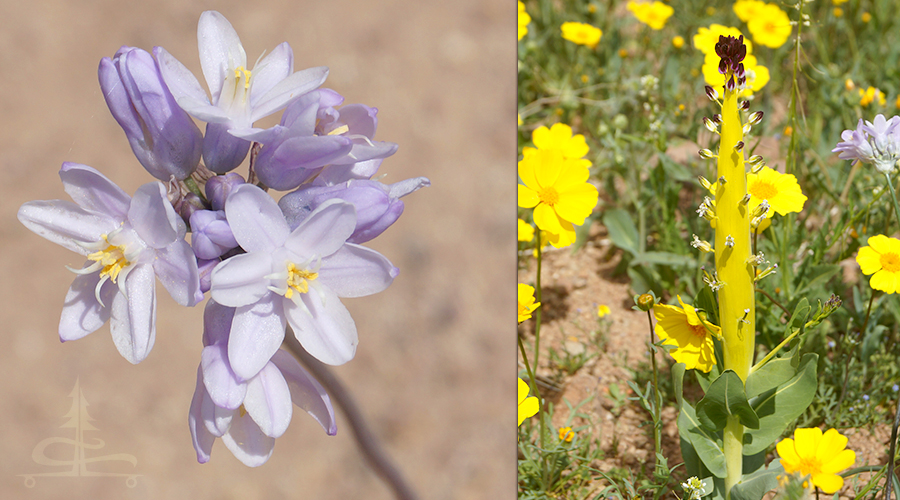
x=559 y=136
x=692 y=336
x=757 y=74
x=582 y=34
x=678 y=42
x=820 y=456
x=527 y=305
x=748 y=9
x=526 y=231
x=528 y=405
x=706 y=38
x=780 y=190
x=771 y=26
x=566 y=434
x=653 y=14
x=881 y=259
x=602 y=310
x=558 y=190
x=869 y=95
x=524 y=19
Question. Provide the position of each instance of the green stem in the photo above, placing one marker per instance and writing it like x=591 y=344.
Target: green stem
x=890 y=184
x=732 y=439
x=657 y=437
x=537 y=347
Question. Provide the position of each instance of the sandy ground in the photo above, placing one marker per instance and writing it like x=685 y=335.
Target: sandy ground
x=434 y=369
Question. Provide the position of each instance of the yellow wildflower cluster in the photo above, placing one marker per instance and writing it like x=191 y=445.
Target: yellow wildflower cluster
x=526 y=231
x=581 y=33
x=705 y=41
x=870 y=95
x=524 y=20
x=554 y=182
x=781 y=191
x=653 y=14
x=881 y=259
x=566 y=434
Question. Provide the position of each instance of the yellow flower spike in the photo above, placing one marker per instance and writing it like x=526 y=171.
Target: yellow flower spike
x=881 y=259
x=692 y=336
x=781 y=191
x=527 y=305
x=820 y=456
x=581 y=34
x=734 y=275
x=528 y=405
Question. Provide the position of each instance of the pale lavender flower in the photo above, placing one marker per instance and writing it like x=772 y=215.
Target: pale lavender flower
x=163 y=137
x=377 y=205
x=248 y=414
x=293 y=277
x=128 y=242
x=239 y=96
x=875 y=142
x=210 y=235
x=219 y=187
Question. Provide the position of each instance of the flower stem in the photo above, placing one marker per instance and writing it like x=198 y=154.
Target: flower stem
x=890 y=184
x=657 y=436
x=369 y=446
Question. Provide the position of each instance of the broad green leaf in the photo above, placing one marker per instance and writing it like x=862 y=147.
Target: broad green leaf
x=754 y=486
x=622 y=231
x=774 y=373
x=706 y=444
x=704 y=379
x=678 y=382
x=779 y=407
x=798 y=319
x=725 y=398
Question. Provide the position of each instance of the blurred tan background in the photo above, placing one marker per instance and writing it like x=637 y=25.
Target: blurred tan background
x=434 y=369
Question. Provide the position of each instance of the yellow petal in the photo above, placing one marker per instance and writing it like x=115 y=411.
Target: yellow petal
x=789 y=458
x=545 y=218
x=869 y=260
x=806 y=441
x=526 y=168
x=572 y=174
x=565 y=237
x=527 y=197
x=528 y=408
x=843 y=460
x=548 y=167
x=880 y=243
x=576 y=205
x=829 y=483
x=831 y=444
x=523 y=390
x=885 y=281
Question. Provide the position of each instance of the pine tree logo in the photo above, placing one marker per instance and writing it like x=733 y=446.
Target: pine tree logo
x=80 y=421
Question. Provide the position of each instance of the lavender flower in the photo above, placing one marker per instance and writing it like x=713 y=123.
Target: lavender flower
x=239 y=96
x=211 y=236
x=162 y=136
x=377 y=205
x=293 y=277
x=875 y=142
x=128 y=241
x=248 y=414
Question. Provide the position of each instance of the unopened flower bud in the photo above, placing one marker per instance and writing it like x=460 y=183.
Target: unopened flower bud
x=710 y=125
x=706 y=154
x=739 y=146
x=754 y=160
x=755 y=118
x=702 y=245
x=754 y=169
x=712 y=93
x=645 y=302
x=745 y=105
x=219 y=187
x=705 y=183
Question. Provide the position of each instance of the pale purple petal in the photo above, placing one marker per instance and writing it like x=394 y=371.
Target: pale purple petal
x=268 y=401
x=176 y=268
x=133 y=320
x=217 y=420
x=202 y=439
x=220 y=50
x=255 y=219
x=81 y=313
x=247 y=442
x=216 y=323
x=306 y=392
x=185 y=88
x=220 y=381
x=284 y=165
x=92 y=191
x=326 y=331
x=285 y=91
x=273 y=68
x=336 y=174
x=324 y=231
x=240 y=280
x=256 y=333
x=356 y=271
x=152 y=216
x=65 y=223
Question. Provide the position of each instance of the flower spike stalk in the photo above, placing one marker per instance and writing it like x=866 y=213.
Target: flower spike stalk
x=737 y=308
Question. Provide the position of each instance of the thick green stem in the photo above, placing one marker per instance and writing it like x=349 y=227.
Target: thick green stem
x=732 y=438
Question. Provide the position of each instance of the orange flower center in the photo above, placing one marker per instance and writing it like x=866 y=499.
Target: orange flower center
x=549 y=196
x=698 y=330
x=770 y=27
x=890 y=262
x=763 y=190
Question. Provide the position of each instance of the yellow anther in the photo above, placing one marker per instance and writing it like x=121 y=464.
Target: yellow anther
x=112 y=258
x=298 y=279
x=246 y=73
x=340 y=130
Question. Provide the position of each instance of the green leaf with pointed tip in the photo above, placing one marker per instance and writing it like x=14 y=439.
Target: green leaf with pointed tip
x=774 y=373
x=754 y=486
x=779 y=407
x=726 y=398
x=798 y=319
x=707 y=445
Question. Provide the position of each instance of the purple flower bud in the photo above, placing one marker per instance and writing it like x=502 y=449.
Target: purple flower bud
x=219 y=187
x=377 y=205
x=212 y=236
x=223 y=152
x=206 y=268
x=187 y=205
x=163 y=137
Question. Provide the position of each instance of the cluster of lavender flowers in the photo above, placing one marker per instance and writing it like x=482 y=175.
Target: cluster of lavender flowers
x=266 y=265
x=875 y=142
